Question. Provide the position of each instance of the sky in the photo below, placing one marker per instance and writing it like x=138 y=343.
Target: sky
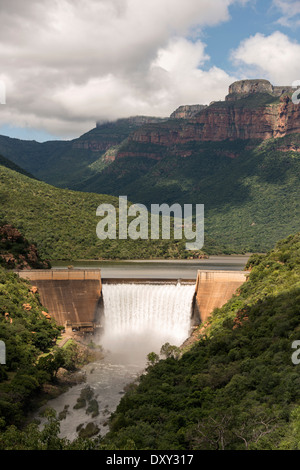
x=66 y=64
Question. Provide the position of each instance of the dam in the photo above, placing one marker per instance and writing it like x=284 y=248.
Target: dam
x=141 y=314
x=79 y=299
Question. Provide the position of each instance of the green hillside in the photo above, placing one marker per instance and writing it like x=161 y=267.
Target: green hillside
x=237 y=387
x=9 y=164
x=63 y=223
x=250 y=189
x=66 y=163
x=32 y=357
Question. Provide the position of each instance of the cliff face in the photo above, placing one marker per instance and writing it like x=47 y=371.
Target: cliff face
x=252 y=110
x=110 y=134
x=239 y=122
x=244 y=88
x=187 y=112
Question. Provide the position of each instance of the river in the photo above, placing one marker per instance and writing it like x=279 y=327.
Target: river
x=108 y=377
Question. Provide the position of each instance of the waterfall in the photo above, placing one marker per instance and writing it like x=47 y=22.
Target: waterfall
x=140 y=318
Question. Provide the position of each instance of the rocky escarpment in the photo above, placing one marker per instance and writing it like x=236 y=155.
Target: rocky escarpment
x=244 y=88
x=187 y=112
x=255 y=110
x=110 y=134
x=271 y=120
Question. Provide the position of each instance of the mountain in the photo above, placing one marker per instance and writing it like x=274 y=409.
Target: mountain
x=9 y=164
x=239 y=157
x=65 y=163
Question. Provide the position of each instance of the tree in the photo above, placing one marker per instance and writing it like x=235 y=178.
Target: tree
x=168 y=350
x=153 y=358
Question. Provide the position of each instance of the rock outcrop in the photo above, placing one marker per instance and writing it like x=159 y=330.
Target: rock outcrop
x=244 y=88
x=187 y=111
x=263 y=122
x=254 y=109
x=16 y=252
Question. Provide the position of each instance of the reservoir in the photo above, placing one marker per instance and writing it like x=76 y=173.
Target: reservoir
x=159 y=269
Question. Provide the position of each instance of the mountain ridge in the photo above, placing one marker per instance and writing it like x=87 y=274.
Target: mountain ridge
x=239 y=157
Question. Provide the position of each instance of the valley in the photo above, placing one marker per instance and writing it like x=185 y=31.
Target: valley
x=239 y=157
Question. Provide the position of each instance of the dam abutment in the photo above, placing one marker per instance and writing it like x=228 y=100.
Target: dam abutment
x=71 y=296
x=213 y=290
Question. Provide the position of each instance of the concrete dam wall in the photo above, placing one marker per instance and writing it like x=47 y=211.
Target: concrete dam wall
x=71 y=296
x=213 y=290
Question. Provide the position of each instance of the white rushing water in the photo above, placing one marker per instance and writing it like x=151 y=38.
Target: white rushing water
x=140 y=318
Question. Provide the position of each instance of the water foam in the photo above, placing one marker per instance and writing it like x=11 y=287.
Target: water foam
x=139 y=318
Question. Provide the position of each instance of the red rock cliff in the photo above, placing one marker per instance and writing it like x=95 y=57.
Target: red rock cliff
x=221 y=122
x=251 y=111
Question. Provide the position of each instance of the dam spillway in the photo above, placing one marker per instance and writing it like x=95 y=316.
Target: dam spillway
x=145 y=316
x=74 y=298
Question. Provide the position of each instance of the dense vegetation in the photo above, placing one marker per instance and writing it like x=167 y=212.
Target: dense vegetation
x=249 y=188
x=9 y=164
x=16 y=252
x=33 y=355
x=63 y=223
x=27 y=334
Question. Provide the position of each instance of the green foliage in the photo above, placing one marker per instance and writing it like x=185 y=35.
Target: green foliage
x=153 y=358
x=63 y=223
x=249 y=188
x=169 y=350
x=16 y=252
x=32 y=358
x=9 y=164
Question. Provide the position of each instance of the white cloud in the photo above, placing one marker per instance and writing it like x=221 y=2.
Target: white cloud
x=274 y=57
x=173 y=78
x=290 y=11
x=68 y=63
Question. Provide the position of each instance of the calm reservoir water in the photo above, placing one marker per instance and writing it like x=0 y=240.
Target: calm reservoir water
x=182 y=269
